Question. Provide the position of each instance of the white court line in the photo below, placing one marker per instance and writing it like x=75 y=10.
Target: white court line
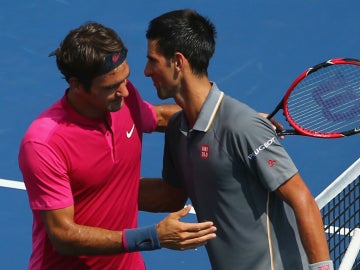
x=12 y=184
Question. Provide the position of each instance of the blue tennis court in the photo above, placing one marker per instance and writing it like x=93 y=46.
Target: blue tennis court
x=262 y=46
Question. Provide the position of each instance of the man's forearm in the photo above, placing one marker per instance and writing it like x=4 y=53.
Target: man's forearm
x=157 y=196
x=312 y=234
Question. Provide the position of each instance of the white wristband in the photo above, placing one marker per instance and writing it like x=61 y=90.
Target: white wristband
x=324 y=265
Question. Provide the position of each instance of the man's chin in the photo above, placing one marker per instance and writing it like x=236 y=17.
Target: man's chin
x=162 y=96
x=115 y=108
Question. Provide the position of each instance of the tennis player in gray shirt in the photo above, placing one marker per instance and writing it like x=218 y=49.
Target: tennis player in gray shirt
x=228 y=160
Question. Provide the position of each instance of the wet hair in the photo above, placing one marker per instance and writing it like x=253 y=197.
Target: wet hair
x=187 y=32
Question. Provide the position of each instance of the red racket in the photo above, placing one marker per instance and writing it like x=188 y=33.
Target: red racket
x=324 y=101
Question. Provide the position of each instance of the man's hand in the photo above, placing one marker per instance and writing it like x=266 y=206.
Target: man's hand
x=276 y=124
x=174 y=234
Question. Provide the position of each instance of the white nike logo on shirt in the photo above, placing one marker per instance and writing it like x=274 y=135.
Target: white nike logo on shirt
x=130 y=133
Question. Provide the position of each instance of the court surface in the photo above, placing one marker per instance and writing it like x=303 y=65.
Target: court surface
x=262 y=46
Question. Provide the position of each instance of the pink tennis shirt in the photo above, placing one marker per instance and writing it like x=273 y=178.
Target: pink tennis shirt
x=67 y=159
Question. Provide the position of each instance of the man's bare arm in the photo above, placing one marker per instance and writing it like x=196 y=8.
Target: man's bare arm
x=308 y=218
x=155 y=195
x=164 y=112
x=70 y=238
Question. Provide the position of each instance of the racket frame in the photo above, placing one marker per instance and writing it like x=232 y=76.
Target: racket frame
x=298 y=130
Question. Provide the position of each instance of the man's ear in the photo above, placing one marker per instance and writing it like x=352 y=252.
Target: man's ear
x=178 y=61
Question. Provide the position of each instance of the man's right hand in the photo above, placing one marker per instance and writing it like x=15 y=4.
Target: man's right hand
x=177 y=235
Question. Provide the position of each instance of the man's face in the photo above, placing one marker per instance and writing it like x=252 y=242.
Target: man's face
x=162 y=72
x=107 y=92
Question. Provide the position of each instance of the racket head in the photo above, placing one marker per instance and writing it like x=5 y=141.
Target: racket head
x=324 y=101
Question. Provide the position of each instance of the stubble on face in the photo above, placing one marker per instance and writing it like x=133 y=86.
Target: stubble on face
x=112 y=89
x=161 y=70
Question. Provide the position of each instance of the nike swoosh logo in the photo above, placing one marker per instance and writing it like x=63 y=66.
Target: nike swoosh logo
x=130 y=133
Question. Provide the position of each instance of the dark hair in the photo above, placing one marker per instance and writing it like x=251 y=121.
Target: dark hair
x=187 y=32
x=82 y=53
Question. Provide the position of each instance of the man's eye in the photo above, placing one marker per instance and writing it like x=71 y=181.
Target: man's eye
x=113 y=87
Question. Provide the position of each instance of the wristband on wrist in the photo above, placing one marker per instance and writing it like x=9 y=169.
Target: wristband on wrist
x=324 y=265
x=141 y=239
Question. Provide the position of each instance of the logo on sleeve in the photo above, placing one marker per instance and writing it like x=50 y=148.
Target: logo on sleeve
x=262 y=147
x=271 y=162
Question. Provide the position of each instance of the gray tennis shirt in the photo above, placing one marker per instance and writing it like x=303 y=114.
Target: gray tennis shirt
x=229 y=163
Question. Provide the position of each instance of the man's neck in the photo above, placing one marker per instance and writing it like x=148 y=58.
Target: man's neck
x=80 y=106
x=192 y=98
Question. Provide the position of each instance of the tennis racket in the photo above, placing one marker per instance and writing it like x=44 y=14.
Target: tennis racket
x=324 y=101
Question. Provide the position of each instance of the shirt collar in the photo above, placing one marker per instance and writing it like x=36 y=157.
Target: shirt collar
x=207 y=113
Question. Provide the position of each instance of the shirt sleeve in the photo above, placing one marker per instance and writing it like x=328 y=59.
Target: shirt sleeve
x=262 y=152
x=148 y=116
x=45 y=177
x=147 y=111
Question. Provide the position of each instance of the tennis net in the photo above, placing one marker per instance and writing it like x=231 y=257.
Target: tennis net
x=339 y=204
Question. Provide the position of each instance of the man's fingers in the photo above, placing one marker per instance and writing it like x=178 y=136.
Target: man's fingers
x=190 y=240
x=203 y=227
x=178 y=235
x=279 y=126
x=181 y=213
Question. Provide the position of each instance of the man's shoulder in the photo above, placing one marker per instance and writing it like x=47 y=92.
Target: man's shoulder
x=45 y=123
x=235 y=111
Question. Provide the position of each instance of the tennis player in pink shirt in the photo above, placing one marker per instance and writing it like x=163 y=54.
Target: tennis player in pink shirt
x=80 y=161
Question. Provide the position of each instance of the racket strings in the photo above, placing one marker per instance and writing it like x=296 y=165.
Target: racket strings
x=327 y=100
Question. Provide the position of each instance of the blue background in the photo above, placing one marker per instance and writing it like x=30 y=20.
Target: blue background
x=262 y=46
